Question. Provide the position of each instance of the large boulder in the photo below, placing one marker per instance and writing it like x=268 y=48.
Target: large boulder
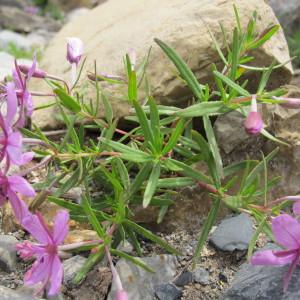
x=112 y=28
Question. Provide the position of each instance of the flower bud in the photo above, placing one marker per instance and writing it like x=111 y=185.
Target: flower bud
x=254 y=123
x=74 y=50
x=288 y=102
x=37 y=72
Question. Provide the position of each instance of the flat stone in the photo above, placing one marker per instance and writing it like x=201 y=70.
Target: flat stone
x=168 y=292
x=263 y=283
x=9 y=294
x=200 y=275
x=71 y=268
x=184 y=279
x=8 y=253
x=139 y=283
x=233 y=233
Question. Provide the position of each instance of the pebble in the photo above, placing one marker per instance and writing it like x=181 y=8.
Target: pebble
x=9 y=294
x=184 y=279
x=233 y=233
x=168 y=292
x=139 y=283
x=8 y=253
x=71 y=268
x=200 y=275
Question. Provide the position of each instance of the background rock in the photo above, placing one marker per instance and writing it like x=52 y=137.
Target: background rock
x=168 y=292
x=233 y=233
x=8 y=253
x=71 y=4
x=141 y=284
x=8 y=294
x=71 y=267
x=111 y=29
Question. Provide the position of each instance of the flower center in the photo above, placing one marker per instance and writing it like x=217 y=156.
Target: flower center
x=51 y=249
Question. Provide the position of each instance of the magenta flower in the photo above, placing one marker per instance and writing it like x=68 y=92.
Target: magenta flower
x=286 y=231
x=254 y=123
x=37 y=73
x=9 y=187
x=11 y=141
x=74 y=50
x=47 y=269
x=288 y=102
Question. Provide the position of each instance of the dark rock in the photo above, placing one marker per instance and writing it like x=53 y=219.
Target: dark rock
x=263 y=283
x=71 y=268
x=200 y=275
x=168 y=292
x=223 y=277
x=233 y=233
x=8 y=253
x=184 y=279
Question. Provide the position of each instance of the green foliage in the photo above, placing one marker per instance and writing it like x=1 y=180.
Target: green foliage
x=294 y=45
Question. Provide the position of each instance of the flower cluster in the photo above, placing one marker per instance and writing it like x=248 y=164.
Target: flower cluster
x=16 y=106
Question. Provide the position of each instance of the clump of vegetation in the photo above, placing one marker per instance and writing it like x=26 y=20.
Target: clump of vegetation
x=145 y=166
x=19 y=52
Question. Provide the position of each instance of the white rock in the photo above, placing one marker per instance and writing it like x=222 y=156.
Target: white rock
x=7 y=37
x=78 y=12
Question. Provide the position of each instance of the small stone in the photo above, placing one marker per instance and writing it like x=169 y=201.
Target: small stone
x=223 y=277
x=200 y=275
x=9 y=294
x=8 y=252
x=126 y=247
x=234 y=233
x=71 y=268
x=168 y=292
x=184 y=279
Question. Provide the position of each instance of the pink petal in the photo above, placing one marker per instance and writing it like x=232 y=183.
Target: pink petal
x=61 y=227
x=56 y=276
x=269 y=258
x=286 y=231
x=20 y=185
x=34 y=226
x=19 y=207
x=12 y=102
x=296 y=208
x=15 y=139
x=287 y=277
x=32 y=68
x=121 y=295
x=40 y=270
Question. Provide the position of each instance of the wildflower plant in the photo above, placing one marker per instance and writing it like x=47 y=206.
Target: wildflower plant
x=145 y=166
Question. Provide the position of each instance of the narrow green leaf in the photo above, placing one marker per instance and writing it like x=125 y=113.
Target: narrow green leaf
x=140 y=178
x=265 y=36
x=108 y=111
x=176 y=182
x=67 y=101
x=183 y=69
x=151 y=185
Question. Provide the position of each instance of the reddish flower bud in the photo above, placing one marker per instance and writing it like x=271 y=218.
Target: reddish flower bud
x=74 y=50
x=37 y=72
x=254 y=123
x=288 y=102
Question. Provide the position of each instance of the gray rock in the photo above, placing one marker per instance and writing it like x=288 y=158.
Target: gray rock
x=71 y=267
x=168 y=292
x=15 y=3
x=141 y=284
x=263 y=283
x=233 y=233
x=9 y=37
x=184 y=279
x=126 y=247
x=288 y=13
x=8 y=294
x=200 y=275
x=8 y=252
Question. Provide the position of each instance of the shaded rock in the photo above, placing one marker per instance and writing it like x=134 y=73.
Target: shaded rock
x=16 y=3
x=262 y=283
x=8 y=294
x=18 y=20
x=233 y=233
x=94 y=287
x=184 y=26
x=141 y=284
x=200 y=275
x=184 y=279
x=71 y=267
x=8 y=253
x=288 y=13
x=168 y=292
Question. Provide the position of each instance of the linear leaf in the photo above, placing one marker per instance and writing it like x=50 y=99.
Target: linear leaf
x=151 y=185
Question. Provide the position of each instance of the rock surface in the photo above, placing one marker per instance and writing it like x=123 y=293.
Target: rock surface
x=168 y=292
x=8 y=294
x=71 y=267
x=288 y=13
x=184 y=279
x=8 y=253
x=71 y=4
x=141 y=284
x=233 y=233
x=111 y=29
x=200 y=275
x=262 y=283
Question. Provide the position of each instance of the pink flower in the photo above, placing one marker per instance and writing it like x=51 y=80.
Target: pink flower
x=254 y=123
x=9 y=187
x=286 y=231
x=47 y=269
x=288 y=102
x=121 y=295
x=38 y=73
x=11 y=141
x=74 y=50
